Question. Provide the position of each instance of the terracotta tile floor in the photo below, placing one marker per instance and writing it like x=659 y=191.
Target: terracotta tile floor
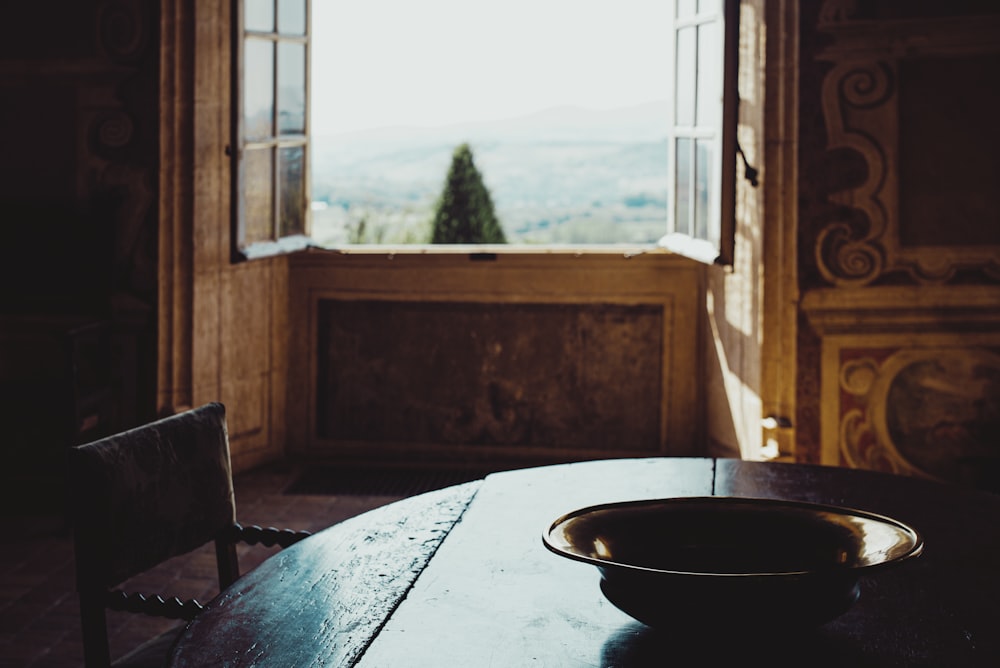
x=39 y=618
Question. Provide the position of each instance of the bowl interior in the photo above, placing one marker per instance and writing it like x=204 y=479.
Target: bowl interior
x=730 y=536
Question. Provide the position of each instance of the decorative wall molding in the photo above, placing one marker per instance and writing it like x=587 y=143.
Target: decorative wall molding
x=893 y=356
x=123 y=28
x=924 y=411
x=111 y=158
x=861 y=106
x=903 y=310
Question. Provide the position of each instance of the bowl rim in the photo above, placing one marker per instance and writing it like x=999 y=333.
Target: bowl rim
x=916 y=542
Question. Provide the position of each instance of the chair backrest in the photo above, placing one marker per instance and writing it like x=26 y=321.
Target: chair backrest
x=141 y=497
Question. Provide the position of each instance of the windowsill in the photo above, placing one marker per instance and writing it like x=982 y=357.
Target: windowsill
x=264 y=249
x=513 y=257
x=696 y=249
x=484 y=251
x=669 y=245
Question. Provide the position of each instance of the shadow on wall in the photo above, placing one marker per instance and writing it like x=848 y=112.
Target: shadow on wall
x=729 y=426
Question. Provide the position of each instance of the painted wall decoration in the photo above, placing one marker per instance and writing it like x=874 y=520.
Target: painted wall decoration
x=932 y=412
x=587 y=376
x=900 y=237
x=904 y=95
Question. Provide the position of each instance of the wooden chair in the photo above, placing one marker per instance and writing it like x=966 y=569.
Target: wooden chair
x=141 y=497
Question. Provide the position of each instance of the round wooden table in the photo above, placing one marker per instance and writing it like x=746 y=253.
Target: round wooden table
x=459 y=577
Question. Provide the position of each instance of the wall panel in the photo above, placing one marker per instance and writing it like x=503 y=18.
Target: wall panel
x=525 y=358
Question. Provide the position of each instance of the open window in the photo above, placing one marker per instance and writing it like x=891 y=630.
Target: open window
x=704 y=39
x=284 y=197
x=271 y=127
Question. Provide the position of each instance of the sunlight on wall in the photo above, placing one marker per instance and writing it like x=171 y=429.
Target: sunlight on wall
x=751 y=54
x=735 y=323
x=742 y=399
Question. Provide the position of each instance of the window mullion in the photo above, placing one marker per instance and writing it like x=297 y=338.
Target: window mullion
x=692 y=187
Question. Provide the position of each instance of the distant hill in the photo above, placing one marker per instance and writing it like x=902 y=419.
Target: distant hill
x=558 y=165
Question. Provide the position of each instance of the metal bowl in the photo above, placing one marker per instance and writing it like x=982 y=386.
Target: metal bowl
x=687 y=561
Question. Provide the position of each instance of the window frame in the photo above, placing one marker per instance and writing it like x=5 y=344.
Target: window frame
x=720 y=250
x=719 y=246
x=240 y=248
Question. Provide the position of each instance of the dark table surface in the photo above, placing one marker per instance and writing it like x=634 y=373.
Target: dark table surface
x=459 y=577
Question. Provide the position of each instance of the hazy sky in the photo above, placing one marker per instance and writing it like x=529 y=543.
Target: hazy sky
x=379 y=63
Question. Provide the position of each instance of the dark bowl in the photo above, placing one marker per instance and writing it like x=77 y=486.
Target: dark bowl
x=694 y=560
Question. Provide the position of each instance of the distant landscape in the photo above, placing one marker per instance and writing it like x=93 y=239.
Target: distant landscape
x=566 y=175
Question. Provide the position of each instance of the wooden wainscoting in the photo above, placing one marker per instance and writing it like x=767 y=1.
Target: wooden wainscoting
x=516 y=358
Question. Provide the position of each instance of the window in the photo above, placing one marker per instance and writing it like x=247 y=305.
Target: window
x=685 y=202
x=703 y=128
x=271 y=166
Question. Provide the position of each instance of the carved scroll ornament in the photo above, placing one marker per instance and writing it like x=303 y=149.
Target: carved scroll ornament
x=863 y=95
x=930 y=412
x=861 y=107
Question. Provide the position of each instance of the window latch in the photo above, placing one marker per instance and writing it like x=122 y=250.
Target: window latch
x=749 y=173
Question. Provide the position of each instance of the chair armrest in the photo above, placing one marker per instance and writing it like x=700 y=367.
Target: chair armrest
x=155 y=606
x=267 y=536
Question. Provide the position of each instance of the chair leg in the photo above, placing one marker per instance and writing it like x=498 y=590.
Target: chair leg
x=229 y=565
x=94 y=625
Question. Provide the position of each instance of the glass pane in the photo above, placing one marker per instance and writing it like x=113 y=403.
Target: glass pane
x=685 y=83
x=704 y=159
x=686 y=8
x=705 y=6
x=710 y=74
x=258 y=15
x=292 y=185
x=258 y=89
x=683 y=175
x=258 y=190
x=291 y=88
x=292 y=17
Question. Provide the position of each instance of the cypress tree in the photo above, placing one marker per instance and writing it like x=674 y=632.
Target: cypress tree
x=464 y=212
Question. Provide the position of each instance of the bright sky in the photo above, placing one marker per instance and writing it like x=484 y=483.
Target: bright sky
x=379 y=63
